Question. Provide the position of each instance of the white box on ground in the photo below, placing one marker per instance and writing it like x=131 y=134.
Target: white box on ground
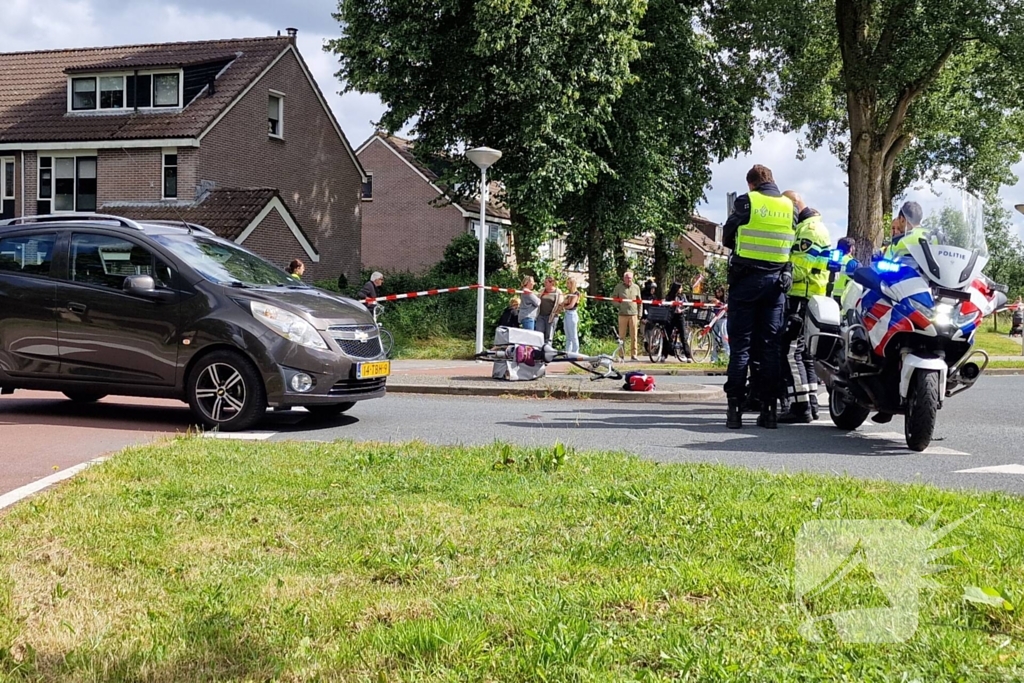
x=504 y=336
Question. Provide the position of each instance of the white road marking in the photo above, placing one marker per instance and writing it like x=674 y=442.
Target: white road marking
x=998 y=469
x=18 y=494
x=240 y=436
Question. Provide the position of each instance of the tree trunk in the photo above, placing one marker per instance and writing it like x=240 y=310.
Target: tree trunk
x=595 y=259
x=621 y=261
x=662 y=251
x=867 y=185
x=523 y=241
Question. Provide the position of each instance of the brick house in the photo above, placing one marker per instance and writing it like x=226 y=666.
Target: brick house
x=230 y=133
x=408 y=218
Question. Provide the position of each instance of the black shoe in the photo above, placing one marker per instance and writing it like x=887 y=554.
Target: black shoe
x=882 y=418
x=801 y=414
x=814 y=408
x=769 y=418
x=734 y=415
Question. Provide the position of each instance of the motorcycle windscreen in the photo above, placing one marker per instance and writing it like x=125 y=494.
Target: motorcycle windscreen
x=952 y=252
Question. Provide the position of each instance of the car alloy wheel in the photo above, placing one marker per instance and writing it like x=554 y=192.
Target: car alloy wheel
x=226 y=392
x=220 y=392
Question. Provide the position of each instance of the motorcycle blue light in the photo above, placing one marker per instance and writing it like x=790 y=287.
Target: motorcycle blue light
x=885 y=266
x=836 y=255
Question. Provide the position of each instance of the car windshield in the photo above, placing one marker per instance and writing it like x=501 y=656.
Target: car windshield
x=225 y=263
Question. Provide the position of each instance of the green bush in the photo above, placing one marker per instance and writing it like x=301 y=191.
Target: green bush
x=462 y=257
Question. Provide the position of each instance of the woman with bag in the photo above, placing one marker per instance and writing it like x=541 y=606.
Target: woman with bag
x=550 y=307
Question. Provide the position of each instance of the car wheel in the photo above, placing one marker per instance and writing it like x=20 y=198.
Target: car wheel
x=84 y=396
x=322 y=412
x=226 y=392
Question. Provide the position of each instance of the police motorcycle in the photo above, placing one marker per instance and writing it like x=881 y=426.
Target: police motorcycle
x=903 y=340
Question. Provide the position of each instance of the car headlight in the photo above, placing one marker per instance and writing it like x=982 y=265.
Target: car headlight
x=288 y=325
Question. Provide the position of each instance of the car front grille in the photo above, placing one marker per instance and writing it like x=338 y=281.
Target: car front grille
x=354 y=387
x=358 y=341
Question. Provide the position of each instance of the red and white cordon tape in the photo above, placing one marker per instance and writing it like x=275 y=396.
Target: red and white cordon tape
x=614 y=299
x=510 y=290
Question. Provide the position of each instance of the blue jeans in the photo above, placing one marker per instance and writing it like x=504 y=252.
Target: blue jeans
x=572 y=331
x=528 y=323
x=548 y=328
x=718 y=342
x=756 y=309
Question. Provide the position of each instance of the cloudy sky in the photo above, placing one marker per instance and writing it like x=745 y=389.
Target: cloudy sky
x=29 y=25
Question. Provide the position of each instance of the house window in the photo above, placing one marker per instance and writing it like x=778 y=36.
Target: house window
x=83 y=94
x=122 y=91
x=165 y=90
x=367 y=191
x=171 y=176
x=7 y=179
x=66 y=184
x=112 y=92
x=275 y=115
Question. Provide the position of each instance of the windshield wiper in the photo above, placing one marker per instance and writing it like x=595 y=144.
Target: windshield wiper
x=239 y=285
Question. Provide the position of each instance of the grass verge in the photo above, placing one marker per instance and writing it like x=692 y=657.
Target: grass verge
x=201 y=560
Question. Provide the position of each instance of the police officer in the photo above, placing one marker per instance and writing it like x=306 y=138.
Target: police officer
x=760 y=234
x=905 y=229
x=847 y=264
x=811 y=248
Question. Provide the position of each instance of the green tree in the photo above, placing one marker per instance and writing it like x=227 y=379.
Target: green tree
x=1006 y=251
x=533 y=79
x=687 y=106
x=899 y=89
x=462 y=256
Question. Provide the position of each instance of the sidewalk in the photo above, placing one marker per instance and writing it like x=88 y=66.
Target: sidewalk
x=470 y=378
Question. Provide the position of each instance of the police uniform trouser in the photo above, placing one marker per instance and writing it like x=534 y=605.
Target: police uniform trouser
x=798 y=373
x=756 y=307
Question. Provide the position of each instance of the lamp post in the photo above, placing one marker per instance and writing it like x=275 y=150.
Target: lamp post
x=484 y=158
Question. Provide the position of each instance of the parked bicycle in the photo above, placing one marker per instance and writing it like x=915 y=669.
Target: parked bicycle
x=660 y=337
x=704 y=336
x=387 y=342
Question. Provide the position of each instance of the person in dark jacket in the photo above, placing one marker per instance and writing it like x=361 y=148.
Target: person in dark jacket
x=677 y=320
x=371 y=290
x=760 y=233
x=510 y=316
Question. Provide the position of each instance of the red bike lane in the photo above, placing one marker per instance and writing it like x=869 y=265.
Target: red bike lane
x=42 y=432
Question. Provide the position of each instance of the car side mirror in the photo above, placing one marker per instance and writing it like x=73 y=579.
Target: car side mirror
x=139 y=284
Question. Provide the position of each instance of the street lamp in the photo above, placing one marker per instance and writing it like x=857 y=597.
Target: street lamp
x=484 y=158
x=1020 y=207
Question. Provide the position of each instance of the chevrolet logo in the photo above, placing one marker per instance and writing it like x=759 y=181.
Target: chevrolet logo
x=360 y=335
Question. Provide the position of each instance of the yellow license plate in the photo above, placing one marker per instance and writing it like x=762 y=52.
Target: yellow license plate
x=379 y=369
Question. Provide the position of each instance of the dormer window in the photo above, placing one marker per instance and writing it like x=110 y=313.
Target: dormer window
x=107 y=92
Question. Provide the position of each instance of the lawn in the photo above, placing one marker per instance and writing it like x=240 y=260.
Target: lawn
x=997 y=343
x=199 y=560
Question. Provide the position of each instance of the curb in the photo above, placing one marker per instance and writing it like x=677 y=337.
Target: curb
x=658 y=372
x=696 y=395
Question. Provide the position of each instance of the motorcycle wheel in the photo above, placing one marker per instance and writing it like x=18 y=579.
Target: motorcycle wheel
x=922 y=409
x=846 y=416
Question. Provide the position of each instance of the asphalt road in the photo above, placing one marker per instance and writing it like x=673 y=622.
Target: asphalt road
x=982 y=428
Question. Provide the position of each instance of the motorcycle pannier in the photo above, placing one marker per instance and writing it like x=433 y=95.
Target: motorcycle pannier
x=822 y=327
x=503 y=336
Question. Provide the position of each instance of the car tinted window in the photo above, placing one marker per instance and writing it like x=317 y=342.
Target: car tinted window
x=221 y=261
x=27 y=254
x=107 y=260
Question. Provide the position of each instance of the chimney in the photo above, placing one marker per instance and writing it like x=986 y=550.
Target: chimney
x=292 y=32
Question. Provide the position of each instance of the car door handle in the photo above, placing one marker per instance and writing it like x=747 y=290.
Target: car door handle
x=77 y=308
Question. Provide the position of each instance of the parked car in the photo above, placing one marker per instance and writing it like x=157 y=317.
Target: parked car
x=92 y=305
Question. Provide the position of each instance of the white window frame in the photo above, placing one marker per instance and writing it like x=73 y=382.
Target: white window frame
x=280 y=114
x=124 y=89
x=3 y=179
x=53 y=177
x=163 y=170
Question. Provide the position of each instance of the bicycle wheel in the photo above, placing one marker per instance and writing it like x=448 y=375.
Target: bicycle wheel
x=700 y=345
x=677 y=347
x=655 y=344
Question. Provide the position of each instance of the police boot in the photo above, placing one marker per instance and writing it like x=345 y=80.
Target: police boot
x=734 y=416
x=799 y=413
x=814 y=407
x=769 y=418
